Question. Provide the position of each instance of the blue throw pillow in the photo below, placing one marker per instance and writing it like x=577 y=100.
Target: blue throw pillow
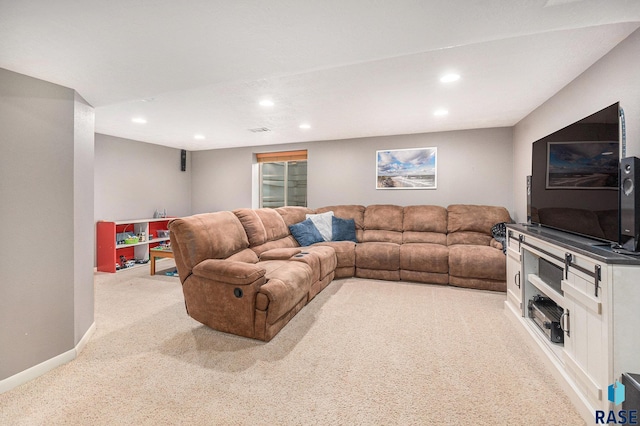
x=343 y=229
x=305 y=233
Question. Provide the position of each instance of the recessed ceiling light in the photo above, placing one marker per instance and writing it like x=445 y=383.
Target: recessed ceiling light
x=139 y=120
x=266 y=103
x=440 y=112
x=448 y=78
x=305 y=126
x=198 y=137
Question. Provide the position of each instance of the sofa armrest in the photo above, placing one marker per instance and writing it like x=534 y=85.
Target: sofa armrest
x=496 y=244
x=280 y=253
x=228 y=271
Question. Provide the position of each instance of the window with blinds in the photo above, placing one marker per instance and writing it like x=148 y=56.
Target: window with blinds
x=283 y=178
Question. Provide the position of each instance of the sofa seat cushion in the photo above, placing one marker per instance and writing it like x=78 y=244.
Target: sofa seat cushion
x=287 y=284
x=345 y=252
x=326 y=256
x=381 y=235
x=469 y=237
x=378 y=256
x=424 y=257
x=469 y=261
x=286 y=242
x=424 y=237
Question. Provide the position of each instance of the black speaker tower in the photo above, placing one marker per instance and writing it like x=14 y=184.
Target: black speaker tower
x=183 y=160
x=629 y=203
x=529 y=199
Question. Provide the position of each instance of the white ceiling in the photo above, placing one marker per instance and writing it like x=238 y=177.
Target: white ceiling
x=348 y=68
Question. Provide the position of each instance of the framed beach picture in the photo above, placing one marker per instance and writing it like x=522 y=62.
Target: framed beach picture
x=582 y=165
x=412 y=168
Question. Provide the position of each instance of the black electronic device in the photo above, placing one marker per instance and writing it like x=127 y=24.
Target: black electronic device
x=551 y=274
x=574 y=177
x=529 y=199
x=546 y=314
x=629 y=203
x=631 y=384
x=183 y=160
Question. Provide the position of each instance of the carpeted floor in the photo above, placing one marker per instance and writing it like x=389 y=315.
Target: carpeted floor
x=363 y=352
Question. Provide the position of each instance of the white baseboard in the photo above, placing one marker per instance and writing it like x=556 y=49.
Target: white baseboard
x=85 y=339
x=46 y=366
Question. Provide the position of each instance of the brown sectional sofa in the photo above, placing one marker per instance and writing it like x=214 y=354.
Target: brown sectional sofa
x=244 y=273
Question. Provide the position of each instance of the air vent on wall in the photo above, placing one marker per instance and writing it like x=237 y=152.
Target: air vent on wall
x=259 y=130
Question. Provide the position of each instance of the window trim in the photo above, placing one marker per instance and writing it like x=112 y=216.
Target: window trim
x=276 y=157
x=286 y=157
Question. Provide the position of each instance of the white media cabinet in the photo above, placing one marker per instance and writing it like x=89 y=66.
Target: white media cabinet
x=599 y=293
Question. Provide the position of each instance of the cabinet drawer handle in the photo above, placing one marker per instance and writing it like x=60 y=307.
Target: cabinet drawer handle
x=564 y=319
x=516 y=279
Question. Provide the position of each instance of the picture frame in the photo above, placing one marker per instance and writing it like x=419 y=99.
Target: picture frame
x=582 y=165
x=409 y=168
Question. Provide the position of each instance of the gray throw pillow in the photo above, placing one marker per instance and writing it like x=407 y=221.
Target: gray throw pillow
x=323 y=223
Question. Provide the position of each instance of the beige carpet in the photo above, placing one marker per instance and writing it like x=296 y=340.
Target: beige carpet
x=362 y=352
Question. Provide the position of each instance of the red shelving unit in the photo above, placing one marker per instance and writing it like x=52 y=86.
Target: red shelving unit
x=109 y=249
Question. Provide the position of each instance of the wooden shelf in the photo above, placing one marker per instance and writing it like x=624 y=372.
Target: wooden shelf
x=546 y=289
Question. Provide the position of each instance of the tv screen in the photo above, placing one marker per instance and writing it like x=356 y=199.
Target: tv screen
x=574 y=177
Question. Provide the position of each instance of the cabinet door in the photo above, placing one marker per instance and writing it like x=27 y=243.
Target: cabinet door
x=106 y=246
x=514 y=281
x=585 y=344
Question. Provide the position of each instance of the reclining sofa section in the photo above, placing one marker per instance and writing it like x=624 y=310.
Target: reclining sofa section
x=243 y=272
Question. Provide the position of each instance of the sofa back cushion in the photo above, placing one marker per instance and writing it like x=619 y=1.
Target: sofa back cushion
x=471 y=224
x=383 y=223
x=206 y=236
x=348 y=211
x=262 y=225
x=293 y=214
x=424 y=224
x=266 y=229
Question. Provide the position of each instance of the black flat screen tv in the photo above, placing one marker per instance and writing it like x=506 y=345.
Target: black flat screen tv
x=574 y=177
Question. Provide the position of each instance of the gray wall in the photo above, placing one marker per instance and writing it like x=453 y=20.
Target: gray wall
x=84 y=238
x=133 y=179
x=46 y=290
x=474 y=167
x=613 y=78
